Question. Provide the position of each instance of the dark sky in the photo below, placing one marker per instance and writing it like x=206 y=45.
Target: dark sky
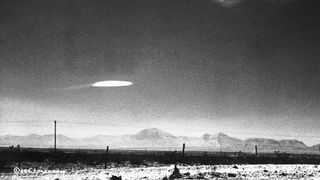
x=243 y=67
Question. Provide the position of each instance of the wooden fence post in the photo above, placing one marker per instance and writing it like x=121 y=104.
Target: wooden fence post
x=256 y=152
x=19 y=156
x=106 y=158
x=183 y=147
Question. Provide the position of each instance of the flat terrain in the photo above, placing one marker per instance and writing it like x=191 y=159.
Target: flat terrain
x=29 y=163
x=232 y=172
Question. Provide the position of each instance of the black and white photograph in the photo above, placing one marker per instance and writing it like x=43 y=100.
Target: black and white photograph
x=159 y=89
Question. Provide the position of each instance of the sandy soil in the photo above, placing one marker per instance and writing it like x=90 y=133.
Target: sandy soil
x=250 y=172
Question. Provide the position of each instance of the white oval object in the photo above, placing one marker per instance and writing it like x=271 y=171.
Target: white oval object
x=112 y=83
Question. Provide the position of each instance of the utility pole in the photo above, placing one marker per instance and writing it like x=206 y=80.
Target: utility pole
x=55 y=135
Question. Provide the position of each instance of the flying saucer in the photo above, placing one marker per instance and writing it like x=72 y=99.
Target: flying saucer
x=112 y=83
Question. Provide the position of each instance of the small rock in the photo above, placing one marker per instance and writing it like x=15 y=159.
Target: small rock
x=283 y=174
x=175 y=174
x=232 y=175
x=115 y=178
x=165 y=178
x=214 y=168
x=214 y=174
x=186 y=174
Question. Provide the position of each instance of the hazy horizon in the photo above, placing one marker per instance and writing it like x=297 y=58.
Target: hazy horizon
x=174 y=133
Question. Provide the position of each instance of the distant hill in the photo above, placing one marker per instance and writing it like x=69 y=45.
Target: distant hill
x=156 y=139
x=227 y=142
x=316 y=146
x=292 y=143
x=262 y=142
x=223 y=141
x=153 y=134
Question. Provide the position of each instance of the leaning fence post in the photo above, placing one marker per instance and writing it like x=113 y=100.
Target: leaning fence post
x=106 y=158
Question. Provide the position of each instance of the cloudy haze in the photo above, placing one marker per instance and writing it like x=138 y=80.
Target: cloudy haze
x=242 y=67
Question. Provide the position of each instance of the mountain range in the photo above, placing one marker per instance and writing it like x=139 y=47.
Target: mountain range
x=156 y=139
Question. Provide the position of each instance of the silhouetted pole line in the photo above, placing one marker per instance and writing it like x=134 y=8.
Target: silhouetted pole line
x=106 y=158
x=55 y=135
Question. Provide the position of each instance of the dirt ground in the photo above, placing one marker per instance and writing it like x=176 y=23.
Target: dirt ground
x=250 y=172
